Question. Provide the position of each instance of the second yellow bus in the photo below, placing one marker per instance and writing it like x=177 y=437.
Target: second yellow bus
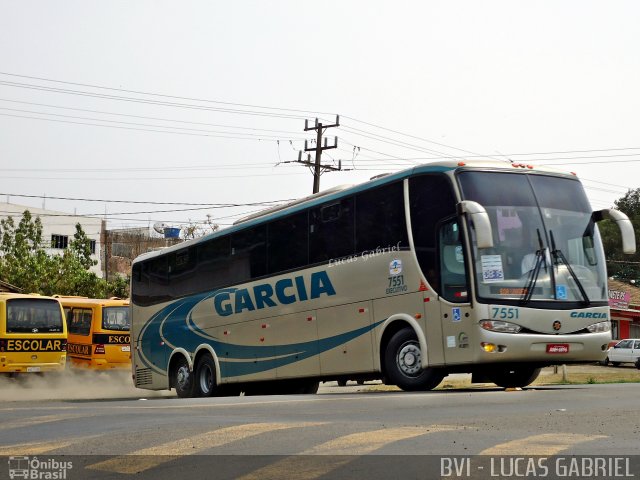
x=98 y=333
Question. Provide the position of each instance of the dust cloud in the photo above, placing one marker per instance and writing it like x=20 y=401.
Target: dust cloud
x=73 y=384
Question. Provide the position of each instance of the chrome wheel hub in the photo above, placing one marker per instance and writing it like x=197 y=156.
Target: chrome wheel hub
x=409 y=359
x=182 y=376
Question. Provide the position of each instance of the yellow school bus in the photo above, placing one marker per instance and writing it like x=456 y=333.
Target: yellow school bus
x=33 y=334
x=98 y=332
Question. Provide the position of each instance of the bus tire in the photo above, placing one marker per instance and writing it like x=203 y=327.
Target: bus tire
x=182 y=378
x=402 y=360
x=205 y=379
x=342 y=383
x=513 y=376
x=311 y=388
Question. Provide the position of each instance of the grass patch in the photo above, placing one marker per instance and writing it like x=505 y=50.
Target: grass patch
x=578 y=377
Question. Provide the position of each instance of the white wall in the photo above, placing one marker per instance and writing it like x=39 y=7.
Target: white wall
x=59 y=223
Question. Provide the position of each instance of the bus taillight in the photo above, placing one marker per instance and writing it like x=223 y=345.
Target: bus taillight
x=99 y=349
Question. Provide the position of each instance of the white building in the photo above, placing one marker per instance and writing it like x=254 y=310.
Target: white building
x=58 y=229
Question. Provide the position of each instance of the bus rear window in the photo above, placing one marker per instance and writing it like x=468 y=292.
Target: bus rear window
x=116 y=318
x=26 y=315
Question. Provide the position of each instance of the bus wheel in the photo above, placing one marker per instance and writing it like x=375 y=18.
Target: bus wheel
x=513 y=377
x=342 y=383
x=182 y=378
x=402 y=360
x=311 y=388
x=205 y=381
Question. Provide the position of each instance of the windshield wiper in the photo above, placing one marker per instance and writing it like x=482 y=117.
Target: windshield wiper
x=533 y=274
x=558 y=255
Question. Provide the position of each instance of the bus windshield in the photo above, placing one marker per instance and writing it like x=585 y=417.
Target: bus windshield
x=546 y=245
x=116 y=318
x=33 y=316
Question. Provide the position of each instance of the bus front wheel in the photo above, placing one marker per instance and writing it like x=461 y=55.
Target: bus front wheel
x=513 y=376
x=182 y=378
x=403 y=359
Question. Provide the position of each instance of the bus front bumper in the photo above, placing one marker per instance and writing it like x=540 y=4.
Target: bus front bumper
x=539 y=348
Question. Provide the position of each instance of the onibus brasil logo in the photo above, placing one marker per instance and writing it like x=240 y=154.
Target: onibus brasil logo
x=34 y=468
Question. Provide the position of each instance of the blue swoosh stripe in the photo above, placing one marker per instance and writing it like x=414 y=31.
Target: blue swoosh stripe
x=173 y=325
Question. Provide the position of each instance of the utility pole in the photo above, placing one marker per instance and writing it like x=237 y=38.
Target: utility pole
x=317 y=166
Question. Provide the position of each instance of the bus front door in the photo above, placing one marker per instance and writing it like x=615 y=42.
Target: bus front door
x=455 y=309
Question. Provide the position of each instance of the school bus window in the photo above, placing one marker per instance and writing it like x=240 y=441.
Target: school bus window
x=80 y=321
x=115 y=318
x=26 y=315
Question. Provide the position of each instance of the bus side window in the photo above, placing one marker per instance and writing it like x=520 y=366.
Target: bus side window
x=80 y=321
x=331 y=231
x=288 y=246
x=249 y=254
x=380 y=218
x=213 y=265
x=452 y=265
x=431 y=200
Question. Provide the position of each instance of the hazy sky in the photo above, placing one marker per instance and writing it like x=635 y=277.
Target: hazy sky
x=196 y=102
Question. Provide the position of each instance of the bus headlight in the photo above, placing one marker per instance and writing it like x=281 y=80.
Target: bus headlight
x=599 y=327
x=500 y=326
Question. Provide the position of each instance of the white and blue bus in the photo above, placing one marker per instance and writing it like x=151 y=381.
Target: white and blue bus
x=495 y=269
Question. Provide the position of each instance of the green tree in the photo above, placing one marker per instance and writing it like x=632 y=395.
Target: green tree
x=23 y=260
x=625 y=267
x=25 y=263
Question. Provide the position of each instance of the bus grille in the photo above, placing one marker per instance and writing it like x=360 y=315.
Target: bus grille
x=143 y=377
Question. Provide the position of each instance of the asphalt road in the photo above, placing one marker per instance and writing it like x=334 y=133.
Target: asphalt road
x=329 y=435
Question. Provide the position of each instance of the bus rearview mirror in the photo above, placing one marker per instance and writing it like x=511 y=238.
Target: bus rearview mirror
x=480 y=220
x=624 y=224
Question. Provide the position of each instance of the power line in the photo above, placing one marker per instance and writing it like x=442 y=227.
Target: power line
x=145 y=178
x=144 y=129
x=149 y=101
x=216 y=205
x=145 y=124
x=414 y=136
x=306 y=112
x=147 y=117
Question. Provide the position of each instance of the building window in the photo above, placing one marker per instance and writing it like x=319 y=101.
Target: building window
x=59 y=241
x=92 y=245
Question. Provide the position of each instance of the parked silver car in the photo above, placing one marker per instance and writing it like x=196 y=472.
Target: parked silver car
x=625 y=351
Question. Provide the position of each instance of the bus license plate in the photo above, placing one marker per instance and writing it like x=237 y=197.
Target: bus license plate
x=557 y=348
x=126 y=348
x=33 y=369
